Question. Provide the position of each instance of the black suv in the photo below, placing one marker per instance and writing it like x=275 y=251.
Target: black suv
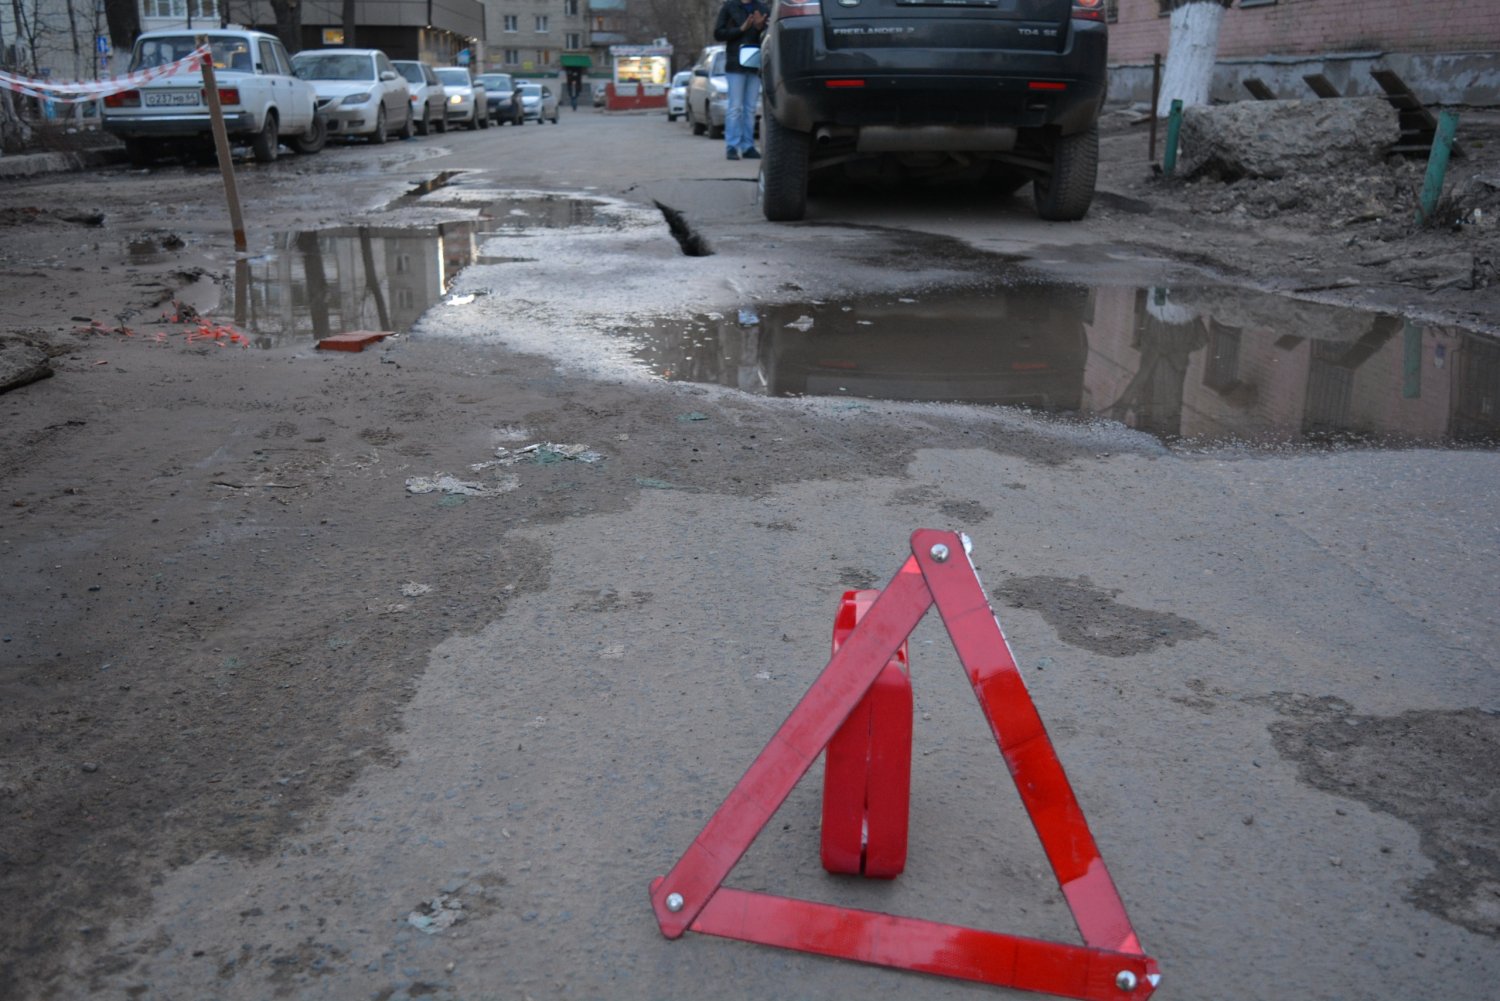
x=1003 y=91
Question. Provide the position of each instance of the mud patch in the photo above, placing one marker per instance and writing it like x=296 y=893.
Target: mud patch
x=1088 y=616
x=1433 y=769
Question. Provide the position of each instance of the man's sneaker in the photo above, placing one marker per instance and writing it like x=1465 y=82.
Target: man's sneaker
x=752 y=153
x=731 y=154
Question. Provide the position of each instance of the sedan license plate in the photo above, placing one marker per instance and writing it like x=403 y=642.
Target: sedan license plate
x=170 y=98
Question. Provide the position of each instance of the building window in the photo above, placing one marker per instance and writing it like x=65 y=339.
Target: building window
x=511 y=22
x=544 y=57
x=570 y=8
x=180 y=9
x=541 y=24
x=573 y=40
x=512 y=57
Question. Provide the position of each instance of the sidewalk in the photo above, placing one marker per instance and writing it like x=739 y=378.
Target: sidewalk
x=32 y=164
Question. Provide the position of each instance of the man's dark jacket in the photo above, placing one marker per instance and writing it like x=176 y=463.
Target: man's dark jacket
x=730 y=29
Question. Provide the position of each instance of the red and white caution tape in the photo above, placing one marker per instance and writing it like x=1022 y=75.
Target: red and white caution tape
x=82 y=91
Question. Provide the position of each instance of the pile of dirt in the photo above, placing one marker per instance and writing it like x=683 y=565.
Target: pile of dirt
x=1363 y=203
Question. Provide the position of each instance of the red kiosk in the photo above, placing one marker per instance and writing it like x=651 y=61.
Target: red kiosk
x=640 y=75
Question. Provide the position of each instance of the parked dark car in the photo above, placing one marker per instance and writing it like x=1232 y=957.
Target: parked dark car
x=500 y=91
x=1001 y=92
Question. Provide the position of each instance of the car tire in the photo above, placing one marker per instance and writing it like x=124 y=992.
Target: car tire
x=408 y=127
x=1065 y=194
x=315 y=138
x=441 y=124
x=266 y=143
x=424 y=123
x=483 y=121
x=715 y=131
x=698 y=127
x=783 y=171
x=379 y=136
x=671 y=117
x=554 y=117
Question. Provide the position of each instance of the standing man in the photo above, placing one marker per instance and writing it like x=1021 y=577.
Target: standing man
x=739 y=27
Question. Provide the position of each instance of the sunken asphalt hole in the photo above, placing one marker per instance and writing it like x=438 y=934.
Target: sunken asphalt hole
x=692 y=242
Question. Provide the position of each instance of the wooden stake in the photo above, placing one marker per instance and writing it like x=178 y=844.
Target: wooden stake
x=221 y=146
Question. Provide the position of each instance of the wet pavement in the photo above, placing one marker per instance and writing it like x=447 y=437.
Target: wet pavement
x=1199 y=365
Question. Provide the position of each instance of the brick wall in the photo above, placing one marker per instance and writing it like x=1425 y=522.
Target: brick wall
x=1301 y=27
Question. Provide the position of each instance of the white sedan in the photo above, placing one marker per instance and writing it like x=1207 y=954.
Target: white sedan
x=677 y=95
x=359 y=92
x=538 y=102
x=467 y=102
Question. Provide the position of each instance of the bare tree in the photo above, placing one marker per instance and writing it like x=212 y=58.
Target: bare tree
x=687 y=24
x=288 y=23
x=1192 y=52
x=124 y=20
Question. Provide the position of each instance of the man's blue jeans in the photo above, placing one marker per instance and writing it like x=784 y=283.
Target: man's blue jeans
x=739 y=116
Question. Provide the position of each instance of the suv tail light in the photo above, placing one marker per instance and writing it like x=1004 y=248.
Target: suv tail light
x=801 y=8
x=1088 y=10
x=124 y=99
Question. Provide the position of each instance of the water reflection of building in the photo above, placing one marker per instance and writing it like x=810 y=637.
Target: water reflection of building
x=1217 y=364
x=318 y=283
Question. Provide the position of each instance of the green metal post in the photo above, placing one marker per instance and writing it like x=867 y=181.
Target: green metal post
x=1174 y=126
x=1437 y=164
x=1411 y=362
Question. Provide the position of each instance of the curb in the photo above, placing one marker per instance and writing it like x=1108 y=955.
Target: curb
x=33 y=164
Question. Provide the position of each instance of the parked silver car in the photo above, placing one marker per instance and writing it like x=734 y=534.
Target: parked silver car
x=708 y=93
x=677 y=95
x=429 y=102
x=467 y=102
x=359 y=92
x=538 y=102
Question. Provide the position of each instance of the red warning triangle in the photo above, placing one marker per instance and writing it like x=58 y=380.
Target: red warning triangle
x=1109 y=966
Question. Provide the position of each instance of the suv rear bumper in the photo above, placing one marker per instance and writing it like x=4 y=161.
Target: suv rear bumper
x=967 y=91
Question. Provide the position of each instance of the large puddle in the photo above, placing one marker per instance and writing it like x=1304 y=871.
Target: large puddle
x=1201 y=364
x=1196 y=364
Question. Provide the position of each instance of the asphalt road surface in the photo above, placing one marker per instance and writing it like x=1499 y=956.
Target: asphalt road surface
x=283 y=722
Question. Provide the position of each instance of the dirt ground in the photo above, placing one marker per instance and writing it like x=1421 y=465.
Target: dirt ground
x=218 y=603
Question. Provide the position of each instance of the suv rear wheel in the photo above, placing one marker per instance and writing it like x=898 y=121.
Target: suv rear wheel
x=783 y=171
x=1065 y=194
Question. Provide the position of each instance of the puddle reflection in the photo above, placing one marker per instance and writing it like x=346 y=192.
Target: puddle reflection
x=320 y=282
x=1205 y=365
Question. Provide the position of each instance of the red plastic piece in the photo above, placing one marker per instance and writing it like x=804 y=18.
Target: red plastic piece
x=354 y=340
x=867 y=767
x=1109 y=966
